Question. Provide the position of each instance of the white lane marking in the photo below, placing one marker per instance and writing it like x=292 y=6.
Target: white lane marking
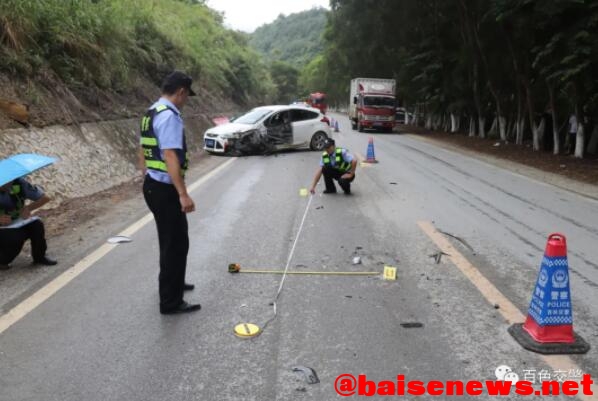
x=40 y=296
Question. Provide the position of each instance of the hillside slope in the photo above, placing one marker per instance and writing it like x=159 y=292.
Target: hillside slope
x=295 y=39
x=78 y=61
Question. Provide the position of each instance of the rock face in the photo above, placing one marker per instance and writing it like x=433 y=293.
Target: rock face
x=92 y=156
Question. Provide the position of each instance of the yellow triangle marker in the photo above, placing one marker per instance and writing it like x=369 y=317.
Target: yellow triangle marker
x=303 y=192
x=390 y=273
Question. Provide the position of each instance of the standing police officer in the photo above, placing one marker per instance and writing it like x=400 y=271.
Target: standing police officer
x=336 y=164
x=163 y=158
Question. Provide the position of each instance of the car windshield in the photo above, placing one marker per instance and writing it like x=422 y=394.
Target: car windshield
x=378 y=101
x=253 y=116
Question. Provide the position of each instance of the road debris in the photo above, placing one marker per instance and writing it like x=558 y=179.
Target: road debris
x=412 y=325
x=310 y=375
x=458 y=239
x=438 y=256
x=357 y=260
x=119 y=239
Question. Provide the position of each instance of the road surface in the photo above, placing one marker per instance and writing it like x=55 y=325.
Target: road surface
x=100 y=336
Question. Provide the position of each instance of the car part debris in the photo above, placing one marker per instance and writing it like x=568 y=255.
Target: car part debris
x=458 y=239
x=357 y=260
x=412 y=325
x=438 y=256
x=310 y=375
x=119 y=239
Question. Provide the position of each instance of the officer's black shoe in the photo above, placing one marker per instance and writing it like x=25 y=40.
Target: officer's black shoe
x=188 y=287
x=4 y=267
x=46 y=261
x=184 y=307
x=329 y=191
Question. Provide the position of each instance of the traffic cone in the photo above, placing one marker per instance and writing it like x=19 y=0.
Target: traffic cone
x=336 y=126
x=371 y=157
x=548 y=328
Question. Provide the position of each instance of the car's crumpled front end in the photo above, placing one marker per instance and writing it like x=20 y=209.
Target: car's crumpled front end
x=250 y=141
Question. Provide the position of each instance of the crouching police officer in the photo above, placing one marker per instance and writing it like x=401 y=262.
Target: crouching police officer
x=336 y=164
x=13 y=198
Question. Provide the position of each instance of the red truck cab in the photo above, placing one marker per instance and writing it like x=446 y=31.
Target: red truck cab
x=318 y=101
x=372 y=104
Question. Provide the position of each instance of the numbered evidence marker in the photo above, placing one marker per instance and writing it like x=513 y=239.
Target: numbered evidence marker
x=247 y=330
x=303 y=192
x=390 y=273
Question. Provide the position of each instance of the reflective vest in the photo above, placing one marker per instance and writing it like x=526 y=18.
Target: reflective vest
x=16 y=195
x=151 y=148
x=339 y=163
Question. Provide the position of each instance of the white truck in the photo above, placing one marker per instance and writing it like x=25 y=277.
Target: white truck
x=372 y=104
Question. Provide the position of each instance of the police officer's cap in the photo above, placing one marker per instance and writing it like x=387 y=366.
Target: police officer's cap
x=176 y=80
x=329 y=142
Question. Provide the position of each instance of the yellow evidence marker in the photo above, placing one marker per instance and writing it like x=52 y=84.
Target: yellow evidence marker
x=390 y=273
x=303 y=192
x=247 y=330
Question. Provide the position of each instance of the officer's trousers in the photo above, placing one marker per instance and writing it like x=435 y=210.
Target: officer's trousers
x=330 y=174
x=173 y=237
x=13 y=239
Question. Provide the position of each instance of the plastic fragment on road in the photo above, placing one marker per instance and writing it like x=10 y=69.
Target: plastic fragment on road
x=310 y=375
x=119 y=239
x=412 y=325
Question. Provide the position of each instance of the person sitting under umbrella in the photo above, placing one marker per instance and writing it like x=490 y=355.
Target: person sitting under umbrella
x=14 y=208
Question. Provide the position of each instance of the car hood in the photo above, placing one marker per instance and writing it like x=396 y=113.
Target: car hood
x=230 y=128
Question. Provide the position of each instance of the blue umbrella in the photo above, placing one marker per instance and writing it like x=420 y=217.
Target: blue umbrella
x=18 y=166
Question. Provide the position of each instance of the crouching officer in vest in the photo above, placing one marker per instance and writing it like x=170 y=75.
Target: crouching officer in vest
x=163 y=159
x=13 y=198
x=336 y=164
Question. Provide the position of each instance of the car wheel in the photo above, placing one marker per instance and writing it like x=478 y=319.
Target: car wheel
x=318 y=141
x=359 y=127
x=353 y=125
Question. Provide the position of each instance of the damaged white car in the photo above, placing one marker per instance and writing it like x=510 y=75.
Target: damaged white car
x=270 y=128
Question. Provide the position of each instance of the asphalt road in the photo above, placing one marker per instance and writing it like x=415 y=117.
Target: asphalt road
x=101 y=337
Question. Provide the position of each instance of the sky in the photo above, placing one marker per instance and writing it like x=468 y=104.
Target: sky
x=247 y=15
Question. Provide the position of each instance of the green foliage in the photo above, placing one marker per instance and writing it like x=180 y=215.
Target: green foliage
x=107 y=43
x=295 y=39
x=476 y=58
x=285 y=79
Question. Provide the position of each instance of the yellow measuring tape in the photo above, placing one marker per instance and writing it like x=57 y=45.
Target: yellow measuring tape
x=236 y=268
